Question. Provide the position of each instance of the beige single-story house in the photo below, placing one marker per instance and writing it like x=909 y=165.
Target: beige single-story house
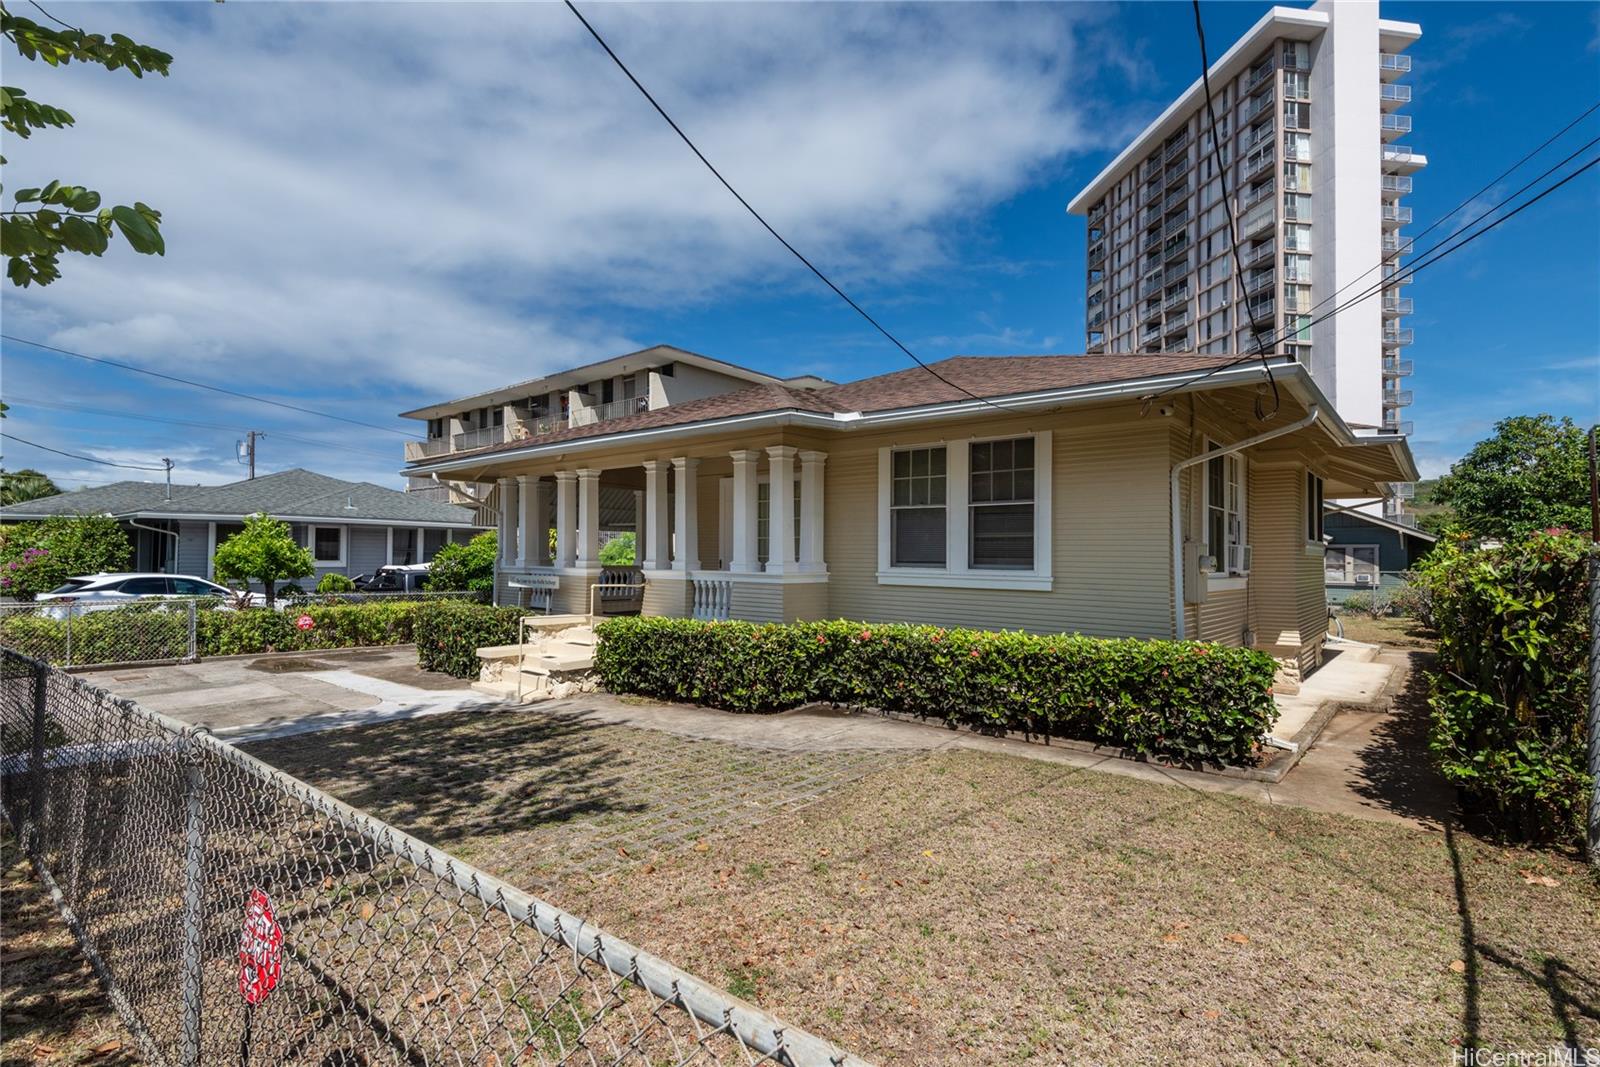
x=1118 y=495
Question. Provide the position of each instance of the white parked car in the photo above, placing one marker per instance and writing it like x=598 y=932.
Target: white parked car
x=92 y=592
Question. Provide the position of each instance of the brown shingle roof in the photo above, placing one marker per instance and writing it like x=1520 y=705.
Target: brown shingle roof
x=984 y=376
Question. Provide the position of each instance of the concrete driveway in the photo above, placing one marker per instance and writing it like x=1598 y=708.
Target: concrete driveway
x=249 y=697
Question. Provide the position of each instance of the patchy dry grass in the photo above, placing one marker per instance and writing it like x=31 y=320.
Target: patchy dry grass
x=52 y=1010
x=1394 y=631
x=961 y=907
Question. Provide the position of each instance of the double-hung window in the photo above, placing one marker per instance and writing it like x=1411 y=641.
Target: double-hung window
x=764 y=520
x=1225 y=516
x=917 y=517
x=1000 y=504
x=327 y=545
x=1351 y=565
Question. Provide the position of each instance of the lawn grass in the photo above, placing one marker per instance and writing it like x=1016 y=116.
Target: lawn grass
x=963 y=907
x=1393 y=630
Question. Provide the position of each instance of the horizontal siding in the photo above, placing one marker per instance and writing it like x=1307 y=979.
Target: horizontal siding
x=1223 y=617
x=757 y=602
x=1109 y=532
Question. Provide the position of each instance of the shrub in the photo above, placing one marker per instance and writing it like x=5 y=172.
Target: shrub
x=236 y=633
x=264 y=551
x=1191 y=702
x=1414 y=601
x=1510 y=689
x=1374 y=604
x=107 y=635
x=450 y=632
x=331 y=583
x=619 y=551
x=289 y=589
x=465 y=567
x=36 y=557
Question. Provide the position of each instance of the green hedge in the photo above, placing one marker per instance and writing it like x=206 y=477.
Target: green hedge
x=152 y=632
x=1510 y=687
x=450 y=632
x=1191 y=702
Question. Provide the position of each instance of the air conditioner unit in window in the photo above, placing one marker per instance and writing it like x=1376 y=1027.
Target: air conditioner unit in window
x=1239 y=559
x=1363 y=579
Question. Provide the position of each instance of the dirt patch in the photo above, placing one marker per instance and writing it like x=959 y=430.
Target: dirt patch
x=287 y=664
x=1394 y=632
x=409 y=674
x=52 y=1009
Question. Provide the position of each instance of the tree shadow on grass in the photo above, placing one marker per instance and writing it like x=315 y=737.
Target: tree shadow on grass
x=463 y=775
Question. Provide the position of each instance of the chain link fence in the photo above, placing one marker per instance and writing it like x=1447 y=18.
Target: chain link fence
x=299 y=600
x=236 y=914
x=85 y=634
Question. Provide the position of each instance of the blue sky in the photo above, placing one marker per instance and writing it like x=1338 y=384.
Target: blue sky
x=373 y=206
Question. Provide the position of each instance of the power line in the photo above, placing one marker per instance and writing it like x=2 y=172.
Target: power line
x=209 y=388
x=758 y=217
x=1405 y=273
x=60 y=405
x=1490 y=184
x=74 y=455
x=1227 y=205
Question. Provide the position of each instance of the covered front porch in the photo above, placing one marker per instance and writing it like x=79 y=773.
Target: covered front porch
x=734 y=534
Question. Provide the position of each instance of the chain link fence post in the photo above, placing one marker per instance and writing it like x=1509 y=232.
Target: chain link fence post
x=71 y=609
x=193 y=924
x=194 y=612
x=1594 y=704
x=41 y=682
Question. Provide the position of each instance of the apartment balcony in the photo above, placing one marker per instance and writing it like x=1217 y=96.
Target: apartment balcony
x=1262 y=307
x=1392 y=66
x=617 y=409
x=1095 y=348
x=1396 y=305
x=1396 y=337
x=1400 y=159
x=1150 y=286
x=1264 y=191
x=1149 y=333
x=1177 y=248
x=1176 y=321
x=1397 y=184
x=1396 y=398
x=1150 y=167
x=1393 y=96
x=1258 y=75
x=1181 y=343
x=1259 y=220
x=1257 y=104
x=439 y=493
x=433 y=446
x=1175 y=274
x=1261 y=133
x=1176 y=149
x=1151 y=312
x=1097 y=213
x=1262 y=160
x=1097 y=320
x=1152 y=213
x=1294 y=212
x=1399 y=426
x=1177 y=198
x=1260 y=281
x=1397 y=368
x=1176 y=226
x=1177 y=176
x=1261 y=251
x=479 y=438
x=1176 y=300
x=1395 y=215
x=1403 y=490
x=1393 y=126
x=1152 y=241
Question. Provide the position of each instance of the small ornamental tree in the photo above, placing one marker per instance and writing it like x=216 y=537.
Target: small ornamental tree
x=36 y=557
x=457 y=567
x=1531 y=474
x=264 y=551
x=619 y=551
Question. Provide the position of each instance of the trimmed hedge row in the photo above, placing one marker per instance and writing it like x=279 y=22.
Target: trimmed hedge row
x=1181 y=700
x=450 y=632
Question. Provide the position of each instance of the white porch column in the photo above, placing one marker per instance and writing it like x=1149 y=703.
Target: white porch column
x=566 y=510
x=506 y=531
x=811 y=558
x=588 y=517
x=526 y=524
x=540 y=523
x=745 y=556
x=655 y=541
x=780 y=509
x=686 y=475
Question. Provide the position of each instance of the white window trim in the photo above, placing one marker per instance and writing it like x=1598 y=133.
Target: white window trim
x=957 y=573
x=311 y=544
x=1349 y=579
x=1218 y=576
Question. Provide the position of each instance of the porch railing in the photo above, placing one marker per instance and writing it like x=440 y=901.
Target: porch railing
x=713 y=598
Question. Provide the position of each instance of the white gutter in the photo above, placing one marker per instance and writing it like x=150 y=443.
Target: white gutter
x=1178 y=622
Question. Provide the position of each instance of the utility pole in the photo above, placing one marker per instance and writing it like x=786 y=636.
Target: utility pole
x=248 y=447
x=1594 y=650
x=167 y=465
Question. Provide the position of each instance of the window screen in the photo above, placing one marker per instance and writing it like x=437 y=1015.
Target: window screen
x=1001 y=503
x=917 y=508
x=327 y=544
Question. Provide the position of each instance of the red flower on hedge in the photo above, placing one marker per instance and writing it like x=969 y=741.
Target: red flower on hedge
x=866 y=635
x=974 y=653
x=822 y=639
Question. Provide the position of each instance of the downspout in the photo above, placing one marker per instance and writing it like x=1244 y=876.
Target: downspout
x=1178 y=622
x=136 y=524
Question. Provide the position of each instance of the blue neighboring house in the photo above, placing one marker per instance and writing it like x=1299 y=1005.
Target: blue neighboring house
x=1365 y=552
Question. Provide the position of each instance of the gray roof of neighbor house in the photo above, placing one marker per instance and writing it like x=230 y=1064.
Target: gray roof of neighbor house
x=294 y=493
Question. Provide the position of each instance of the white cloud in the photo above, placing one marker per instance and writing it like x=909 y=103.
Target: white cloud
x=436 y=197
